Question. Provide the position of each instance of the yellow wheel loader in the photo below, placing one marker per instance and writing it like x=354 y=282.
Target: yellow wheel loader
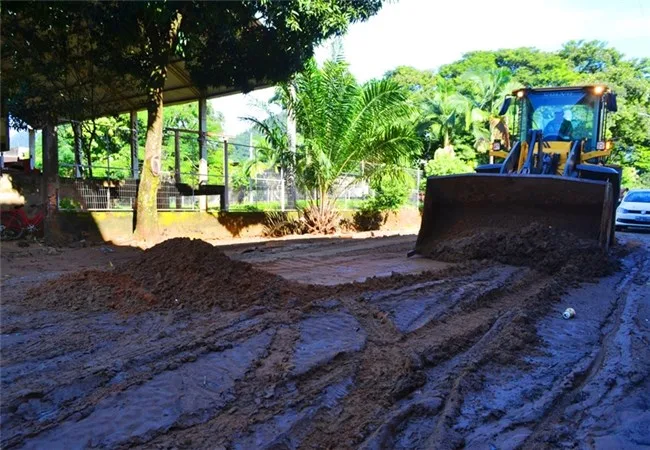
x=554 y=173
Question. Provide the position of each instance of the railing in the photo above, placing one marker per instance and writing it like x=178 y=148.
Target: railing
x=121 y=194
x=264 y=193
x=193 y=180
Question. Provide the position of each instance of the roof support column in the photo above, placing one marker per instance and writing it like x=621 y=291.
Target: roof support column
x=290 y=170
x=203 y=150
x=50 y=167
x=177 y=156
x=224 y=200
x=135 y=164
x=76 y=128
x=4 y=133
x=177 y=165
x=32 y=148
x=51 y=183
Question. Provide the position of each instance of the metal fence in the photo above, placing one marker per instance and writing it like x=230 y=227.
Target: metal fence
x=187 y=184
x=121 y=194
x=268 y=192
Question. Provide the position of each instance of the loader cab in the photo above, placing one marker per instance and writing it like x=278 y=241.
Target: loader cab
x=567 y=125
x=565 y=114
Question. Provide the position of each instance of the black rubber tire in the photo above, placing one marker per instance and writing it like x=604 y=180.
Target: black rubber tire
x=11 y=229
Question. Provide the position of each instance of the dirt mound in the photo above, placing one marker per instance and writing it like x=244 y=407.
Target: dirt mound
x=177 y=273
x=91 y=290
x=541 y=247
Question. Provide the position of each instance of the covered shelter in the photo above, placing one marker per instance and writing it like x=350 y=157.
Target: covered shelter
x=120 y=98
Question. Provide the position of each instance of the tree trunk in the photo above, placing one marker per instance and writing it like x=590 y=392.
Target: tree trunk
x=147 y=202
x=146 y=213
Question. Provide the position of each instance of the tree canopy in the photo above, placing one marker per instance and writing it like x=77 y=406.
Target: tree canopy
x=479 y=80
x=57 y=52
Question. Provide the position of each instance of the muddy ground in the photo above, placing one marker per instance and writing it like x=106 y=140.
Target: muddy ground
x=296 y=344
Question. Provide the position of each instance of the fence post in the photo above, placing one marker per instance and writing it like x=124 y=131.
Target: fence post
x=203 y=150
x=225 y=203
x=177 y=156
x=282 y=189
x=135 y=164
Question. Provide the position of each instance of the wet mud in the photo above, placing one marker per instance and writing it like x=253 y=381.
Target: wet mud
x=474 y=354
x=542 y=247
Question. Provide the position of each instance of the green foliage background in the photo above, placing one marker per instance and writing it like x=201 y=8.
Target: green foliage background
x=449 y=107
x=576 y=63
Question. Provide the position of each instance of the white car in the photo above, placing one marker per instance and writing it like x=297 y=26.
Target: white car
x=634 y=210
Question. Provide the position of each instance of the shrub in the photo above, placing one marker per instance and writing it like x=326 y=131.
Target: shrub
x=390 y=194
x=278 y=224
x=447 y=164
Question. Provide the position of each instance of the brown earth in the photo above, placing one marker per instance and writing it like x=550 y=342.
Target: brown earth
x=538 y=246
x=472 y=353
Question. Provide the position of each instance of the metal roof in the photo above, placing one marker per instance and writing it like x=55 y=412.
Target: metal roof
x=179 y=88
x=118 y=97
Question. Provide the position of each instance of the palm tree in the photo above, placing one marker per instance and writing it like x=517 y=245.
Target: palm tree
x=489 y=89
x=442 y=113
x=340 y=125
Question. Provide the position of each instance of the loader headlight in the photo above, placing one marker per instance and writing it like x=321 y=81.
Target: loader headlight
x=599 y=90
x=600 y=145
x=496 y=146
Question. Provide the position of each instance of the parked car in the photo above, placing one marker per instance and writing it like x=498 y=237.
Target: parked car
x=634 y=210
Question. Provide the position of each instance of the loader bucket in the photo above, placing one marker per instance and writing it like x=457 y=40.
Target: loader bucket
x=459 y=205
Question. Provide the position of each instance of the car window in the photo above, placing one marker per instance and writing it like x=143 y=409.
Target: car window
x=638 y=197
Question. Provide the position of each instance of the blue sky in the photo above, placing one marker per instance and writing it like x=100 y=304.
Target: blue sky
x=427 y=34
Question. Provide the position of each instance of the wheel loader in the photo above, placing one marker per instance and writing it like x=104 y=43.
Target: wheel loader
x=554 y=173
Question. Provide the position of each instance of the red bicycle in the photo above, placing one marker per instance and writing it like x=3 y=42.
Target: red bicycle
x=14 y=224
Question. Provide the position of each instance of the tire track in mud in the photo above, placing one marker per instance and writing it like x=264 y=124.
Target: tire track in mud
x=72 y=392
x=387 y=364
x=390 y=373
x=597 y=373
x=347 y=389
x=462 y=353
x=371 y=380
x=507 y=400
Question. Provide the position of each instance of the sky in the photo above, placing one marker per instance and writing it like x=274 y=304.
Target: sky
x=426 y=34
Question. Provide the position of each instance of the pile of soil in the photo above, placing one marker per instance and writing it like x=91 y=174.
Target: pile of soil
x=541 y=247
x=177 y=273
